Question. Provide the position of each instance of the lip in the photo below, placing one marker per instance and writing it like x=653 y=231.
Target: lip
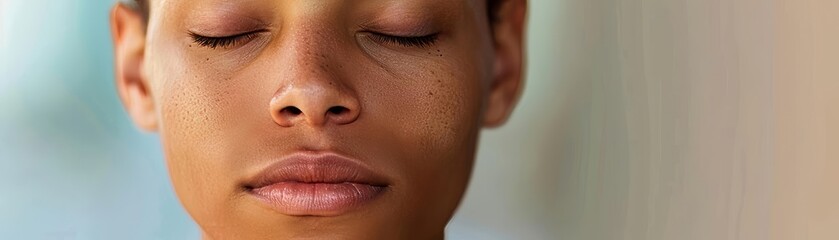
x=316 y=184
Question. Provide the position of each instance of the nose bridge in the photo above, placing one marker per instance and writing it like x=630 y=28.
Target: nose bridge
x=311 y=89
x=310 y=46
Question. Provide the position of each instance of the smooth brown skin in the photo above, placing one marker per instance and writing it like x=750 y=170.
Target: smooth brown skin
x=413 y=113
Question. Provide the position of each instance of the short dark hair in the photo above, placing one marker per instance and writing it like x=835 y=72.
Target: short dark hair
x=142 y=6
x=492 y=8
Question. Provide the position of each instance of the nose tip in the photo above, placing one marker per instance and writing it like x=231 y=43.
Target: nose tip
x=315 y=108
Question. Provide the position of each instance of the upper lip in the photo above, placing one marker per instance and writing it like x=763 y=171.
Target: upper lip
x=307 y=167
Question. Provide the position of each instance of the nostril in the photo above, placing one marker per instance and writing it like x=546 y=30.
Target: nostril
x=341 y=115
x=338 y=110
x=291 y=110
x=287 y=116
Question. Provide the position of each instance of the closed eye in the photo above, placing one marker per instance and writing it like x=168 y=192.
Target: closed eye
x=407 y=41
x=225 y=41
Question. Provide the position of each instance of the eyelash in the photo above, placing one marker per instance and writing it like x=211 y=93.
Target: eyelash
x=223 y=42
x=417 y=41
x=215 y=42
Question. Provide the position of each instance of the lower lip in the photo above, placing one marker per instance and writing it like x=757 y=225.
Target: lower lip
x=317 y=199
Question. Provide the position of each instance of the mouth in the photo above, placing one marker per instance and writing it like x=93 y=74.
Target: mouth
x=308 y=184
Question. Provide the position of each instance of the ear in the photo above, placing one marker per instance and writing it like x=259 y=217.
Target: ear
x=128 y=30
x=507 y=80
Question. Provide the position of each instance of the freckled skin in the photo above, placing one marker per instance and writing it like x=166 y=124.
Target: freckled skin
x=413 y=113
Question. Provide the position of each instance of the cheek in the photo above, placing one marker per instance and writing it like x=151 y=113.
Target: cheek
x=198 y=110
x=441 y=101
x=442 y=109
x=433 y=107
x=203 y=101
x=434 y=96
x=444 y=127
x=439 y=128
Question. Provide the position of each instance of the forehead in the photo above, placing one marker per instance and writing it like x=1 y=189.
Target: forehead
x=475 y=4
x=163 y=12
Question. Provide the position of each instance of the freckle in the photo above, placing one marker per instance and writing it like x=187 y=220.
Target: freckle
x=208 y=59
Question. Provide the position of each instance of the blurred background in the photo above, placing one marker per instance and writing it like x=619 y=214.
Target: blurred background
x=641 y=119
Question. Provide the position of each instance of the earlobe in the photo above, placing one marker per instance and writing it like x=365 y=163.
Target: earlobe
x=128 y=33
x=507 y=79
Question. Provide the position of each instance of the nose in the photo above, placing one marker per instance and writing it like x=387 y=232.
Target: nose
x=316 y=102
x=312 y=89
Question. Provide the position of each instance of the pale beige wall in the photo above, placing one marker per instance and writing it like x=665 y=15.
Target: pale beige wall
x=806 y=108
x=669 y=119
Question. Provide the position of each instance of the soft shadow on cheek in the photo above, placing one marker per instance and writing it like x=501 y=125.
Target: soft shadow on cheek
x=433 y=96
x=437 y=104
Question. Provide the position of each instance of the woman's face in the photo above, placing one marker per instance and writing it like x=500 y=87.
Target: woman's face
x=326 y=119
